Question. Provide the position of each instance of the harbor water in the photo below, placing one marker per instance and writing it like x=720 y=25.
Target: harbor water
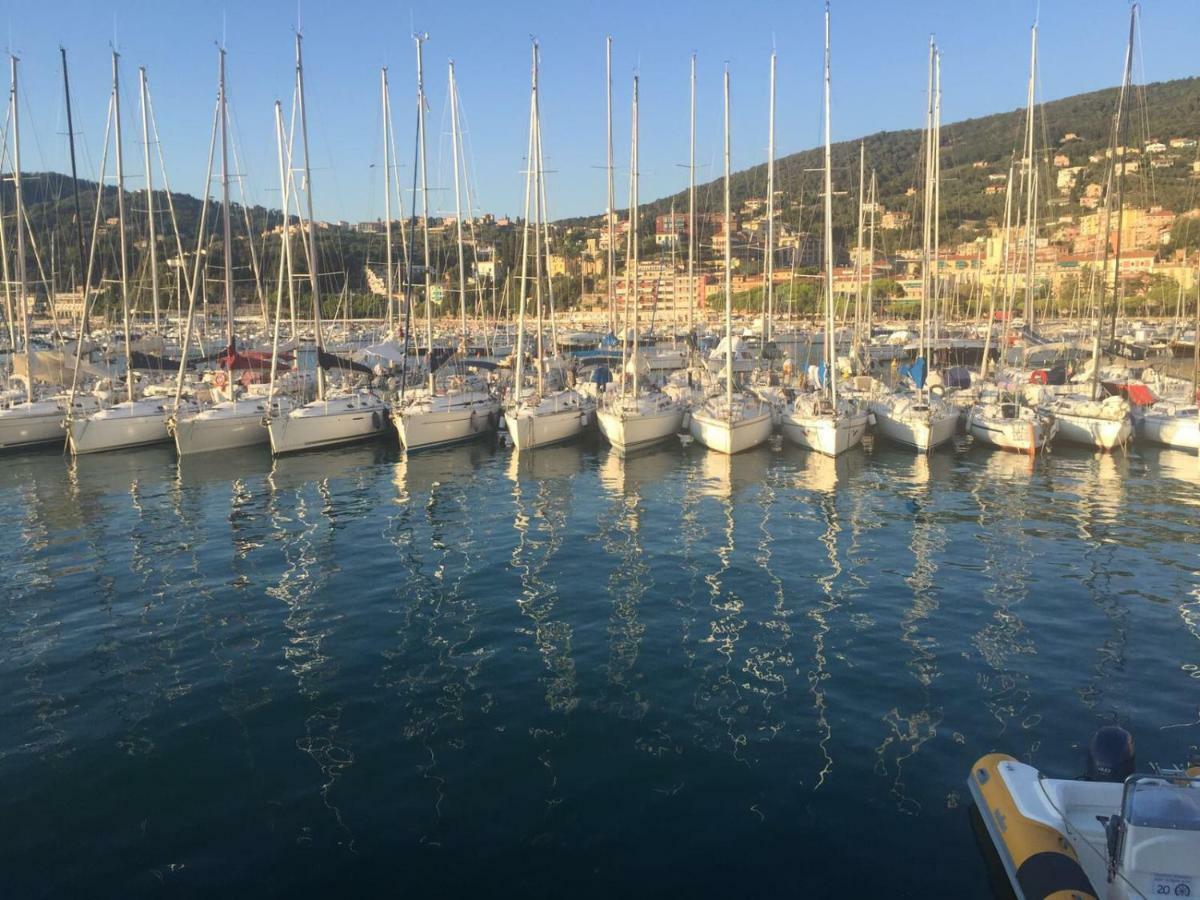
x=561 y=673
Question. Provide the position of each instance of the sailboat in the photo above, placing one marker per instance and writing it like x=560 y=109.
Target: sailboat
x=233 y=422
x=348 y=414
x=821 y=420
x=463 y=408
x=1103 y=423
x=1000 y=418
x=548 y=413
x=634 y=416
x=922 y=418
x=731 y=421
x=136 y=421
x=36 y=419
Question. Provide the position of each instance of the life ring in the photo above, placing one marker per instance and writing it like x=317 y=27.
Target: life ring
x=1039 y=376
x=937 y=390
x=220 y=379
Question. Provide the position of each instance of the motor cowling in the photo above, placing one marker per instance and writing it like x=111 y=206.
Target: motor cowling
x=1110 y=755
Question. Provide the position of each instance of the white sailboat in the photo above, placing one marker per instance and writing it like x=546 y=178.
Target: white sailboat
x=234 y=422
x=922 y=419
x=348 y=414
x=541 y=414
x=461 y=409
x=1102 y=423
x=731 y=421
x=136 y=421
x=998 y=418
x=33 y=420
x=823 y=421
x=635 y=416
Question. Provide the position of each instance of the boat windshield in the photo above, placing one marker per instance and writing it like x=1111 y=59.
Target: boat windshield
x=1156 y=803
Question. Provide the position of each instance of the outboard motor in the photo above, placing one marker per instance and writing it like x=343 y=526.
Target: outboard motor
x=1110 y=755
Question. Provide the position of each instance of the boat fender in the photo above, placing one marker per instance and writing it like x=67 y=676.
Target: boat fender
x=1110 y=755
x=493 y=420
x=871 y=419
x=375 y=422
x=474 y=421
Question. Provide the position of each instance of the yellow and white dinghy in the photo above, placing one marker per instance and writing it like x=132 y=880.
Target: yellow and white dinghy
x=1113 y=835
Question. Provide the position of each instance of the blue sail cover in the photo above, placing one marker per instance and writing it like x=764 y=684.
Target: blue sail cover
x=821 y=374
x=916 y=371
x=609 y=340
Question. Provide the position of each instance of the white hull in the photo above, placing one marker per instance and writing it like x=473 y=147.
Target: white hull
x=630 y=430
x=28 y=425
x=529 y=430
x=829 y=435
x=1102 y=434
x=208 y=432
x=327 y=423
x=120 y=427
x=922 y=433
x=1178 y=431
x=422 y=428
x=720 y=435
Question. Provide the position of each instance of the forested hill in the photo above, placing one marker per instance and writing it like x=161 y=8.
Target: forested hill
x=1159 y=111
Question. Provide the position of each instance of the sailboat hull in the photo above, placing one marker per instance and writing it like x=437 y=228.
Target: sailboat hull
x=829 y=435
x=120 y=427
x=921 y=433
x=720 y=435
x=206 y=434
x=30 y=425
x=328 y=423
x=530 y=431
x=1180 y=431
x=1102 y=434
x=627 y=431
x=424 y=429
x=1016 y=435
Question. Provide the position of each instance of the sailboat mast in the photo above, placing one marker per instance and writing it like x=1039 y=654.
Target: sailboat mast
x=124 y=250
x=612 y=245
x=634 y=281
x=419 y=40
x=870 y=275
x=227 y=230
x=858 y=266
x=728 y=270
x=312 y=225
x=692 y=207
x=151 y=238
x=1122 y=130
x=936 y=306
x=22 y=300
x=1031 y=189
x=385 y=102
x=1118 y=150
x=926 y=285
x=830 y=340
x=83 y=328
x=769 y=261
x=462 y=274
x=518 y=382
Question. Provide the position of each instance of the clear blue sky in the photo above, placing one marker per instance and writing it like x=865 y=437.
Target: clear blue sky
x=879 y=57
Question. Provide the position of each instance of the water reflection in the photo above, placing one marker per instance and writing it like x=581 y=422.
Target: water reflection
x=541 y=496
x=303 y=510
x=1002 y=500
x=436 y=663
x=913 y=724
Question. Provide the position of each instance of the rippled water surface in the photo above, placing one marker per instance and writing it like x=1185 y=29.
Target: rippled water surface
x=567 y=674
